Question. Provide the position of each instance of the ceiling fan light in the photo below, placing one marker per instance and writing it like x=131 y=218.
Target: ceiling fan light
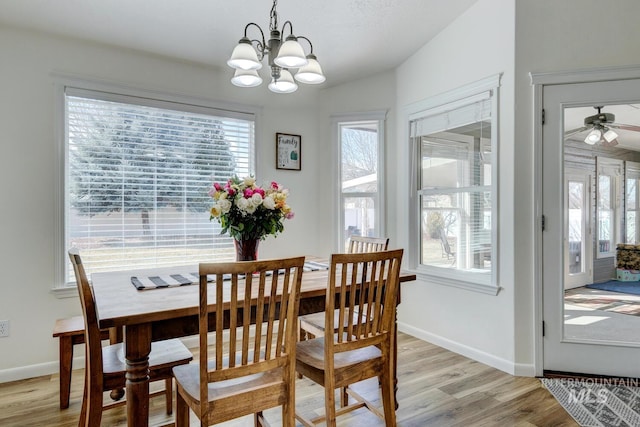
x=244 y=56
x=310 y=73
x=246 y=78
x=291 y=54
x=593 y=137
x=284 y=84
x=610 y=135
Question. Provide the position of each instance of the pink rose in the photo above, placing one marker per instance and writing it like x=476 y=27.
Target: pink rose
x=248 y=193
x=260 y=191
x=289 y=215
x=217 y=186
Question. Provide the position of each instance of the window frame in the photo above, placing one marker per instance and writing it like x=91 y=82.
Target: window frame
x=614 y=170
x=120 y=93
x=337 y=121
x=632 y=172
x=453 y=99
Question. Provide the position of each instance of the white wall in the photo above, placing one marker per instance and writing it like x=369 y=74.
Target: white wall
x=375 y=93
x=553 y=35
x=478 y=44
x=27 y=170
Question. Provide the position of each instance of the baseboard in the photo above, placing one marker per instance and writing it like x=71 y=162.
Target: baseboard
x=50 y=368
x=504 y=365
x=30 y=371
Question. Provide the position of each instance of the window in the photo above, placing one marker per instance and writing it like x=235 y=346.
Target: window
x=632 y=198
x=361 y=148
x=137 y=175
x=454 y=142
x=608 y=192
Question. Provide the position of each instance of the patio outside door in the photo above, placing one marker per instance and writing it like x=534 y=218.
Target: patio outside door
x=578 y=248
x=579 y=339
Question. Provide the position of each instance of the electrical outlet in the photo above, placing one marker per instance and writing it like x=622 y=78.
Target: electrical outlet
x=4 y=328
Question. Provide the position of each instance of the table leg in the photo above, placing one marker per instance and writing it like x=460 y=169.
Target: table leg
x=138 y=347
x=66 y=364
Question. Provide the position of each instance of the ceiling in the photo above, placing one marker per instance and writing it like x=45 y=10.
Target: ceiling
x=351 y=38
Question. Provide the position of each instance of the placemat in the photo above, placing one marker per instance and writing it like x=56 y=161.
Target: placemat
x=142 y=283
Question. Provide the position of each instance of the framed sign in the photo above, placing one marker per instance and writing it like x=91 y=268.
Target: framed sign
x=288 y=151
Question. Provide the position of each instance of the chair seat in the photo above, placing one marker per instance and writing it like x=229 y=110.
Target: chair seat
x=311 y=353
x=314 y=323
x=164 y=354
x=188 y=376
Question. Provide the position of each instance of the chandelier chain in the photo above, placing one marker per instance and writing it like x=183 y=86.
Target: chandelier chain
x=273 y=22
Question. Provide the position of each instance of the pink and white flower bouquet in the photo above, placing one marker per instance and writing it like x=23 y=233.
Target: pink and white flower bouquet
x=247 y=211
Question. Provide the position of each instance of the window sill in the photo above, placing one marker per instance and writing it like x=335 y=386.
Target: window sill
x=483 y=288
x=65 y=292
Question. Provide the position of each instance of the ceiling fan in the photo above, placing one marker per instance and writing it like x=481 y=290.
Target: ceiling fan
x=601 y=129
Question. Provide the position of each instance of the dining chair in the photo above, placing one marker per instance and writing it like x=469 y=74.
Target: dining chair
x=252 y=367
x=362 y=244
x=105 y=367
x=312 y=325
x=362 y=346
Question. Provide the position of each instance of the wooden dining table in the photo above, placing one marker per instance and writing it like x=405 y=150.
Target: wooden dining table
x=162 y=313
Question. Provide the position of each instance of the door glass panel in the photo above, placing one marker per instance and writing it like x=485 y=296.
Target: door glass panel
x=594 y=314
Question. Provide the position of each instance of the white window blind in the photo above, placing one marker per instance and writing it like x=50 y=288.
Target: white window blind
x=453 y=115
x=137 y=177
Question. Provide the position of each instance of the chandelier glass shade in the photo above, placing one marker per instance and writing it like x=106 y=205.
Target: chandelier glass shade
x=246 y=78
x=283 y=84
x=282 y=57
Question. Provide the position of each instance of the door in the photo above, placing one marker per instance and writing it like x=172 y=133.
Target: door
x=578 y=250
x=579 y=338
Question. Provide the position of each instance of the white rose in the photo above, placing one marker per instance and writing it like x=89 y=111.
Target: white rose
x=222 y=195
x=249 y=181
x=250 y=208
x=242 y=204
x=256 y=199
x=269 y=203
x=225 y=205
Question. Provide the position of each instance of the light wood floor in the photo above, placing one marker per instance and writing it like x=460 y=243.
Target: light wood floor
x=436 y=388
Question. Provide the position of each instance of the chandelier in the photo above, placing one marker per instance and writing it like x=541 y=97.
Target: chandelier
x=282 y=57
